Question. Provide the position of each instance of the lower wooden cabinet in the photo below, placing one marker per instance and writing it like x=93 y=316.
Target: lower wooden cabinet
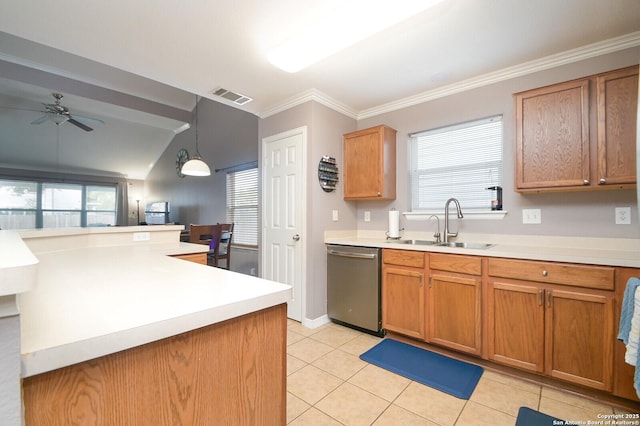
x=454 y=317
x=403 y=309
x=195 y=257
x=563 y=334
x=579 y=336
x=554 y=319
x=515 y=332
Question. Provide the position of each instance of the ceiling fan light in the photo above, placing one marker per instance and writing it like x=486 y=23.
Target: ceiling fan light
x=196 y=167
x=58 y=119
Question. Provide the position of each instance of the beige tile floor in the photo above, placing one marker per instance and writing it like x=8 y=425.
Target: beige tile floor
x=328 y=384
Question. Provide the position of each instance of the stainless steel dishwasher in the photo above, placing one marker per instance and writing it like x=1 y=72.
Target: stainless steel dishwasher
x=353 y=287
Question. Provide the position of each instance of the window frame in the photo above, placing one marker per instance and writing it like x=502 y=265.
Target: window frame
x=40 y=211
x=485 y=172
x=239 y=237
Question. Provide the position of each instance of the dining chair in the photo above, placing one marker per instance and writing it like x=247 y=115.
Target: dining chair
x=220 y=247
x=201 y=234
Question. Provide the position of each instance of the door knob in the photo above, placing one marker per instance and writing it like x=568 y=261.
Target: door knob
x=296 y=237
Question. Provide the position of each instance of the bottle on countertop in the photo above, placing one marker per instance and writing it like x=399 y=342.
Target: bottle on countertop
x=496 y=202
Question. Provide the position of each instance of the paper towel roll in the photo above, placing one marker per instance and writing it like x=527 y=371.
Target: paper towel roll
x=394 y=224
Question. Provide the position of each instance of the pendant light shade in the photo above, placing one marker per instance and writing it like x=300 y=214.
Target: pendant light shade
x=196 y=166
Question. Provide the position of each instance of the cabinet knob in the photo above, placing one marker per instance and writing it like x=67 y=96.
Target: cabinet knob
x=585 y=182
x=602 y=181
x=545 y=273
x=379 y=194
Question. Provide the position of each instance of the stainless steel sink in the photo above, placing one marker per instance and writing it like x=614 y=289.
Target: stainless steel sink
x=414 y=242
x=459 y=244
x=454 y=244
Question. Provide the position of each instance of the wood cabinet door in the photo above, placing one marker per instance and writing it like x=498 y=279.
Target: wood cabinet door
x=454 y=312
x=370 y=164
x=552 y=136
x=579 y=338
x=403 y=301
x=515 y=319
x=362 y=164
x=617 y=95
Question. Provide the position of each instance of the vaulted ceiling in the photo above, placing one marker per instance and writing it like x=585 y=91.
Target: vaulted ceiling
x=136 y=65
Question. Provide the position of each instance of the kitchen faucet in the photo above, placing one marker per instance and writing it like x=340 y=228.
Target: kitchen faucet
x=447 y=234
x=436 y=234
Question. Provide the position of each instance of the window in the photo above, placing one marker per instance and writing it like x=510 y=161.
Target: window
x=459 y=161
x=18 y=204
x=242 y=205
x=29 y=204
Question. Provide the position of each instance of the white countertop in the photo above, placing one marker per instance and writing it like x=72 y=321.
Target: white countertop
x=597 y=251
x=18 y=270
x=93 y=301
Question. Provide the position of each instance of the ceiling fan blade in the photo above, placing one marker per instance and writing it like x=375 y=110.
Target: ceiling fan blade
x=89 y=119
x=80 y=125
x=20 y=109
x=41 y=119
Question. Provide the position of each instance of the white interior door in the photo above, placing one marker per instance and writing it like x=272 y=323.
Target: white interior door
x=283 y=213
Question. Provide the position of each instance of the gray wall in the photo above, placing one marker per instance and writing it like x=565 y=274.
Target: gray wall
x=325 y=128
x=226 y=137
x=587 y=214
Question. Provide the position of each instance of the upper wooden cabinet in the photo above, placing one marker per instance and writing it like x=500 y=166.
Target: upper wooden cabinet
x=617 y=95
x=552 y=136
x=370 y=164
x=578 y=135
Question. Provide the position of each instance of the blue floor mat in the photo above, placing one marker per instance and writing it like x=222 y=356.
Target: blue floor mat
x=529 y=417
x=449 y=375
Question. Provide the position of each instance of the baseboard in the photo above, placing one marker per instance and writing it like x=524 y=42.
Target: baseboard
x=317 y=322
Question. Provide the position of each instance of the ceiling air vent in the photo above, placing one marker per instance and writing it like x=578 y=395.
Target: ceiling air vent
x=236 y=98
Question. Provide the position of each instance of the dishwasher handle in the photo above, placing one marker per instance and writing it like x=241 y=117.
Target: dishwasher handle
x=353 y=255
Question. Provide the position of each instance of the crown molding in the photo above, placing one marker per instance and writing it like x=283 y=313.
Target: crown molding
x=570 y=56
x=311 y=95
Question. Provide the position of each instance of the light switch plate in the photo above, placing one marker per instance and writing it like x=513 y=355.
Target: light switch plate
x=531 y=216
x=334 y=215
x=623 y=215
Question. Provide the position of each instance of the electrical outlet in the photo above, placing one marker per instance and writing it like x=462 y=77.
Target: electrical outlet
x=623 y=215
x=334 y=215
x=531 y=216
x=141 y=236
x=367 y=216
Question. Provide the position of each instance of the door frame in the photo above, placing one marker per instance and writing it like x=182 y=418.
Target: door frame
x=303 y=205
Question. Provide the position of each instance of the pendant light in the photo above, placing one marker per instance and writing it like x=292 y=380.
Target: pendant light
x=195 y=166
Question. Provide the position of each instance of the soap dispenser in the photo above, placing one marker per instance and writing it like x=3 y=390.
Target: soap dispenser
x=496 y=202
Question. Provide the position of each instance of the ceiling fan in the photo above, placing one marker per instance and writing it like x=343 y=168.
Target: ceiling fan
x=59 y=114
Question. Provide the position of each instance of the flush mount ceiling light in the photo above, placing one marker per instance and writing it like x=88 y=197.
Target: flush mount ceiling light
x=195 y=166
x=345 y=26
x=58 y=119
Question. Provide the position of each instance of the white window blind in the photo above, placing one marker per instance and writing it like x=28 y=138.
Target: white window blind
x=459 y=161
x=242 y=205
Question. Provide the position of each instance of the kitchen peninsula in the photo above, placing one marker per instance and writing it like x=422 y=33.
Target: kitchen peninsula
x=118 y=329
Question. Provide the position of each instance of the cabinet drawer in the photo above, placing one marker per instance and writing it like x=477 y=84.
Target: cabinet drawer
x=456 y=263
x=599 y=277
x=414 y=259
